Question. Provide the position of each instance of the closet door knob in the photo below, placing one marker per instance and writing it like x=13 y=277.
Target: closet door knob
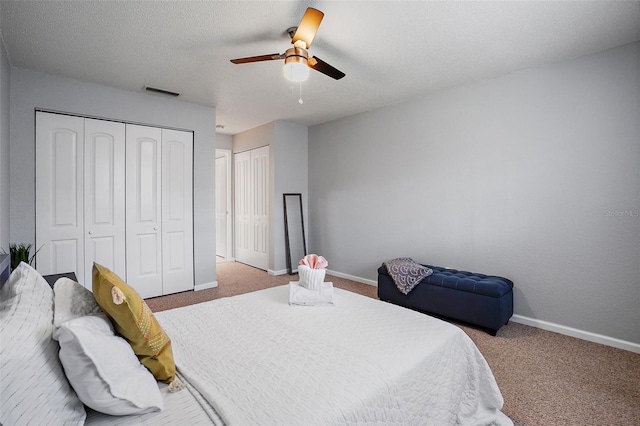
x=155 y=228
x=90 y=232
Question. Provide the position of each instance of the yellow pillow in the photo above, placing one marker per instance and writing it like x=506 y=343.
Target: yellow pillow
x=133 y=319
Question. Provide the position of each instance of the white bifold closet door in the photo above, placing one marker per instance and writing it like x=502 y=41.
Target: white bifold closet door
x=59 y=194
x=159 y=219
x=116 y=194
x=252 y=207
x=104 y=200
x=79 y=195
x=177 y=211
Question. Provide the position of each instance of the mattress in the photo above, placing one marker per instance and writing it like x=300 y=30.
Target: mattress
x=258 y=360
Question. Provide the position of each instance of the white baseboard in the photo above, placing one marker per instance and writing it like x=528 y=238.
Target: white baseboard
x=544 y=325
x=205 y=286
x=352 y=278
x=521 y=319
x=580 y=334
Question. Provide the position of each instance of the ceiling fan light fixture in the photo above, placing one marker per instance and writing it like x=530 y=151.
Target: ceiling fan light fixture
x=297 y=61
x=295 y=65
x=296 y=71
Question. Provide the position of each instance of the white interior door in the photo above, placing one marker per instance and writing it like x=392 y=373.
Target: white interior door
x=59 y=194
x=177 y=211
x=252 y=207
x=259 y=253
x=242 y=209
x=143 y=213
x=104 y=197
x=222 y=205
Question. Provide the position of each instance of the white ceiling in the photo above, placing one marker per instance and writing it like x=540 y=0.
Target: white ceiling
x=391 y=51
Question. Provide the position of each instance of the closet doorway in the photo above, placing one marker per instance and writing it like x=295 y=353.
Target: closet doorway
x=251 y=209
x=224 y=234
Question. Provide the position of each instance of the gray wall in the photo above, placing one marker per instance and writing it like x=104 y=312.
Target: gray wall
x=5 y=83
x=224 y=141
x=31 y=90
x=291 y=176
x=534 y=176
x=288 y=172
x=254 y=138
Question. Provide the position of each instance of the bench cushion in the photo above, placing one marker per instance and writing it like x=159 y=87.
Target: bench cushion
x=471 y=282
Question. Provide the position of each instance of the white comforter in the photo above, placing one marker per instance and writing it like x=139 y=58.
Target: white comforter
x=259 y=361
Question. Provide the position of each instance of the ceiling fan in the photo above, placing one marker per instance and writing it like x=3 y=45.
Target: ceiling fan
x=296 y=59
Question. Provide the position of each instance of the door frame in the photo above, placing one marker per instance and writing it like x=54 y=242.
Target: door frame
x=226 y=153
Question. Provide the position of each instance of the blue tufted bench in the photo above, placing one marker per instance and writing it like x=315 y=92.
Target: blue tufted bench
x=482 y=300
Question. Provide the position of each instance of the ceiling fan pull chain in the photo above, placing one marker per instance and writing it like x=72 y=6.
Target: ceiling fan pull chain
x=300 y=101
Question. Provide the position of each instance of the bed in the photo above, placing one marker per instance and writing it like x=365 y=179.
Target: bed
x=254 y=359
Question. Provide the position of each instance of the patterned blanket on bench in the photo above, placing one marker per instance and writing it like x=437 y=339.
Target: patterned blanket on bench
x=406 y=273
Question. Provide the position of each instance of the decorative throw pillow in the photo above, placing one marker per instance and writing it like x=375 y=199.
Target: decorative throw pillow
x=406 y=273
x=134 y=321
x=34 y=389
x=71 y=300
x=103 y=370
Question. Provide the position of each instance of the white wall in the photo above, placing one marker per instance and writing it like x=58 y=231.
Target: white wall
x=5 y=83
x=534 y=176
x=288 y=174
x=31 y=90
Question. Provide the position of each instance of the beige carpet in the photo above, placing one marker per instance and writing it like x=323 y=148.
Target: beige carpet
x=545 y=378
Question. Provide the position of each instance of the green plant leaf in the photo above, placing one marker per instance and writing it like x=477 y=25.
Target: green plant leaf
x=21 y=252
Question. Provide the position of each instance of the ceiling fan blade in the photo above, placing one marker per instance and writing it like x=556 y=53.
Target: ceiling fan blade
x=308 y=26
x=272 y=57
x=320 y=65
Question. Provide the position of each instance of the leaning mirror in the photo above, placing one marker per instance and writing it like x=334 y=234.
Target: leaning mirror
x=295 y=243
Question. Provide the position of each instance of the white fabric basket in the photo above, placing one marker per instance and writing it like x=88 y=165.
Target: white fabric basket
x=311 y=279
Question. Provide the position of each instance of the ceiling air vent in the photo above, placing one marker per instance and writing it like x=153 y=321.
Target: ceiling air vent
x=161 y=91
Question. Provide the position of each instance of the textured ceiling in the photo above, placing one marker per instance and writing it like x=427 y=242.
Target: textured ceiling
x=391 y=51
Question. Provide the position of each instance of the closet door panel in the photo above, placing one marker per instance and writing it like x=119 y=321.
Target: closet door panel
x=104 y=251
x=242 y=208
x=64 y=255
x=104 y=201
x=148 y=265
x=222 y=214
x=148 y=172
x=260 y=207
x=59 y=193
x=177 y=211
x=143 y=212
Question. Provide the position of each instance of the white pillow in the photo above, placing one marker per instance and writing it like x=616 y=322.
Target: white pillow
x=103 y=370
x=72 y=300
x=34 y=388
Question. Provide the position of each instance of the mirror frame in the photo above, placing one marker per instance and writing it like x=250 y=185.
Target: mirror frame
x=287 y=232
